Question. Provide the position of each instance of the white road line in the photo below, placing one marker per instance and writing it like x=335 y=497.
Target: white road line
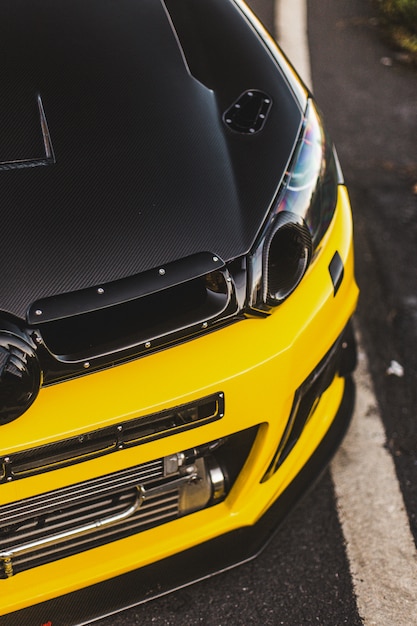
x=291 y=28
x=379 y=543
x=380 y=547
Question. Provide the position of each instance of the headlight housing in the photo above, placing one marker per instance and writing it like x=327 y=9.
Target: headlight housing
x=299 y=217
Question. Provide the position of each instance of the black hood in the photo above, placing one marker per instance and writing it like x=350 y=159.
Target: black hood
x=115 y=154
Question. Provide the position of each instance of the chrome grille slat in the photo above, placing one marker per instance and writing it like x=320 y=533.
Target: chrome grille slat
x=67 y=518
x=161 y=513
x=99 y=486
x=153 y=511
x=85 y=515
x=143 y=516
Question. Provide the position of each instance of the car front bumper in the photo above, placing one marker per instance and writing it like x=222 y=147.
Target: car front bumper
x=263 y=369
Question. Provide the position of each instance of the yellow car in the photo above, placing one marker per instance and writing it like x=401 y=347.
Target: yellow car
x=176 y=295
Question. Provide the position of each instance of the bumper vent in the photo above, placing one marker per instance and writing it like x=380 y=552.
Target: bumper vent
x=340 y=360
x=111 y=439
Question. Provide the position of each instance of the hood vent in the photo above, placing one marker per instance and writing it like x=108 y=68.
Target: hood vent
x=249 y=113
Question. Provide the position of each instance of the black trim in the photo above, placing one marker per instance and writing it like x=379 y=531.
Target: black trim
x=306 y=399
x=337 y=271
x=224 y=552
x=124 y=290
x=249 y=113
x=111 y=439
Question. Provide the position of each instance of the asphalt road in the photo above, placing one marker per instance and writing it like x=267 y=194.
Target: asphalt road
x=369 y=98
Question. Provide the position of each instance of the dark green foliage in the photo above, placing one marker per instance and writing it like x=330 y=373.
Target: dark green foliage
x=400 y=19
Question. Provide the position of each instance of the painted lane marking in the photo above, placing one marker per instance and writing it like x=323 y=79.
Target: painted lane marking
x=379 y=544
x=291 y=28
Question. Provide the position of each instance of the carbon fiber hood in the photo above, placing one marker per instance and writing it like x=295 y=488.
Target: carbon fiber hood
x=114 y=156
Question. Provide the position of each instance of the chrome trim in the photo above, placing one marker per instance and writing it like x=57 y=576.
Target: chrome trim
x=141 y=494
x=217 y=480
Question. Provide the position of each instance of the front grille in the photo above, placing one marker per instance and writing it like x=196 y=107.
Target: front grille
x=111 y=439
x=67 y=521
x=28 y=522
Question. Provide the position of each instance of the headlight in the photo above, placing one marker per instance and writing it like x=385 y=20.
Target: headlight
x=299 y=218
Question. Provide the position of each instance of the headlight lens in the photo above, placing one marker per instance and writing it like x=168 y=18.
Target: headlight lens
x=299 y=218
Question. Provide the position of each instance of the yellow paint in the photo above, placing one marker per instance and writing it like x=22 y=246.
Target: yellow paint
x=257 y=363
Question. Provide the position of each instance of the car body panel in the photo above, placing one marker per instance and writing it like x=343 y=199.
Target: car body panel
x=264 y=365
x=120 y=186
x=134 y=144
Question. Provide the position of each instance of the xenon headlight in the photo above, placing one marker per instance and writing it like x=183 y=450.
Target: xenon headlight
x=299 y=218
